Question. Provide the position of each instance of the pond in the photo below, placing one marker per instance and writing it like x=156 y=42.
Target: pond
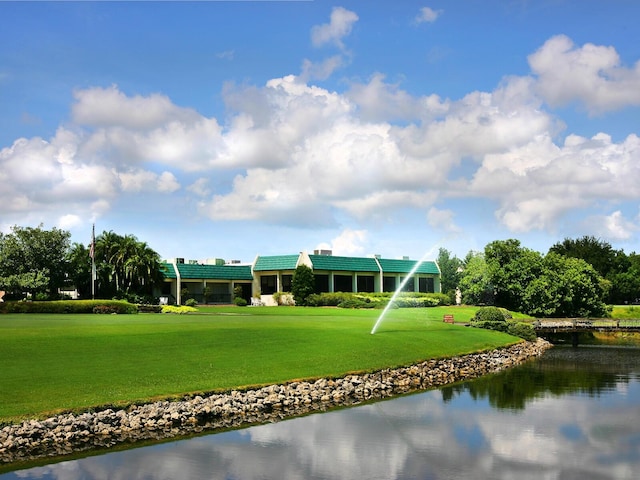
x=572 y=414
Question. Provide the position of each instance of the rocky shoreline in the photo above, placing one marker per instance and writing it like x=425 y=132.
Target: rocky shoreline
x=68 y=433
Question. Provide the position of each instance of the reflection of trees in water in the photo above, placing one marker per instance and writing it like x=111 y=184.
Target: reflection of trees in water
x=560 y=372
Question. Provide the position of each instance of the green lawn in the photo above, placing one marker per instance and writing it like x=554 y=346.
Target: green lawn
x=56 y=362
x=627 y=312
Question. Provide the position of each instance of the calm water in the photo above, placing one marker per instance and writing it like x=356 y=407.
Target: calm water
x=574 y=414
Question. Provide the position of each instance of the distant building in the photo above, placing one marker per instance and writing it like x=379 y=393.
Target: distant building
x=215 y=281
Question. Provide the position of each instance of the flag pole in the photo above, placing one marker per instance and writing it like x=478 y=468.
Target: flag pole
x=92 y=254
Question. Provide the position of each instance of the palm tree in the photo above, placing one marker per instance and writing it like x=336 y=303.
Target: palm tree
x=126 y=265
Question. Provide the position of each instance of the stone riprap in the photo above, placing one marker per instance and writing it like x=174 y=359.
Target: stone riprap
x=67 y=433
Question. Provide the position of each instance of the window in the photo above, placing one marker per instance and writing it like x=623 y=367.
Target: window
x=322 y=283
x=365 y=283
x=268 y=284
x=342 y=283
x=409 y=286
x=389 y=284
x=286 y=283
x=426 y=285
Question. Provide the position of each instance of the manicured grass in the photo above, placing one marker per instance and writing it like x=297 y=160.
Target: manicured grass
x=627 y=312
x=55 y=362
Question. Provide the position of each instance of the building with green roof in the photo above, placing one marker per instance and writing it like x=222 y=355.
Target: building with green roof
x=205 y=282
x=268 y=275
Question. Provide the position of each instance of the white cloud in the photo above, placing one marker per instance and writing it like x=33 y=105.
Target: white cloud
x=537 y=183
x=427 y=15
x=340 y=26
x=305 y=156
x=321 y=70
x=442 y=220
x=167 y=183
x=109 y=107
x=349 y=243
x=592 y=75
x=69 y=221
x=147 y=181
x=383 y=102
x=614 y=227
x=200 y=187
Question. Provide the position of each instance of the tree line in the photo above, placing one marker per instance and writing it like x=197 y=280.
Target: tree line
x=39 y=264
x=576 y=278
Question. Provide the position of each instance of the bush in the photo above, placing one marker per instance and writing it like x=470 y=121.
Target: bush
x=191 y=302
x=240 y=302
x=136 y=298
x=406 y=301
x=328 y=299
x=302 y=284
x=356 y=302
x=67 y=306
x=523 y=330
x=442 y=298
x=178 y=309
x=491 y=314
x=373 y=300
x=500 y=326
x=145 y=308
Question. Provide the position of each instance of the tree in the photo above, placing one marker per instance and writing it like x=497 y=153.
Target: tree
x=302 y=284
x=511 y=268
x=594 y=251
x=125 y=266
x=30 y=283
x=550 y=286
x=474 y=282
x=613 y=265
x=450 y=272
x=37 y=253
x=79 y=269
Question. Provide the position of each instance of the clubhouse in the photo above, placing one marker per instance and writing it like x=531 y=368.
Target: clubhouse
x=215 y=281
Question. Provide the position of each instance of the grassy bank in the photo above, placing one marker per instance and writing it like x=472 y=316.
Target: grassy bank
x=62 y=362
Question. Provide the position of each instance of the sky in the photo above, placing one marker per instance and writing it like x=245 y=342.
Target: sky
x=231 y=129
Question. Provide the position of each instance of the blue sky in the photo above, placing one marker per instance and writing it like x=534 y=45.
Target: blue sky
x=230 y=129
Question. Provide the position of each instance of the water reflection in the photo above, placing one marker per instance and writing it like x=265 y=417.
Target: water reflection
x=573 y=414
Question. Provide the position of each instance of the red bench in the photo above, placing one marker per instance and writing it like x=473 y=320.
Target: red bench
x=447 y=318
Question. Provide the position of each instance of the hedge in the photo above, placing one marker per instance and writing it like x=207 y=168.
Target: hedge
x=70 y=306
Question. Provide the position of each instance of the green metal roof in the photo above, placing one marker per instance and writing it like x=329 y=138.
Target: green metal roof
x=209 y=272
x=404 y=266
x=349 y=264
x=276 y=262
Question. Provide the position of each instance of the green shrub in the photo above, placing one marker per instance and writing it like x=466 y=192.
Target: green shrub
x=191 y=302
x=284 y=298
x=328 y=299
x=302 y=284
x=442 y=298
x=178 y=309
x=491 y=314
x=240 y=302
x=356 y=302
x=67 y=306
x=373 y=300
x=523 y=330
x=406 y=301
x=512 y=327
x=500 y=326
x=145 y=308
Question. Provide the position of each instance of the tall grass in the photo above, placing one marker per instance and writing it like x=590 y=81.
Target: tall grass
x=52 y=363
